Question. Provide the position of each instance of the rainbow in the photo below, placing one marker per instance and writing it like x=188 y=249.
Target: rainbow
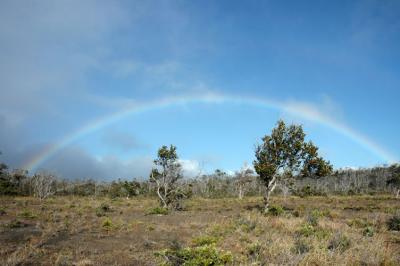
x=303 y=111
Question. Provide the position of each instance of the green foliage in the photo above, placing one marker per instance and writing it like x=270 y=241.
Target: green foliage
x=254 y=251
x=306 y=230
x=339 y=242
x=368 y=231
x=27 y=214
x=287 y=150
x=313 y=217
x=393 y=223
x=197 y=256
x=284 y=154
x=158 y=210
x=204 y=240
x=166 y=175
x=107 y=223
x=276 y=210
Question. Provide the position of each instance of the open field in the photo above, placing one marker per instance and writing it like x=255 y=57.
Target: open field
x=101 y=231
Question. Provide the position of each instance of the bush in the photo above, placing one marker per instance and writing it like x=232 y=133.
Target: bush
x=368 y=231
x=300 y=246
x=339 y=242
x=313 y=218
x=158 y=210
x=306 y=230
x=254 y=251
x=27 y=214
x=103 y=209
x=107 y=223
x=204 y=240
x=276 y=210
x=246 y=225
x=393 y=223
x=202 y=255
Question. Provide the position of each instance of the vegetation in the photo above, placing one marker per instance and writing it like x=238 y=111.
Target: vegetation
x=220 y=231
x=317 y=217
x=166 y=177
x=284 y=154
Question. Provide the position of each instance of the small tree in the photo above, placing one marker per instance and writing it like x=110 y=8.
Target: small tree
x=43 y=185
x=166 y=175
x=285 y=154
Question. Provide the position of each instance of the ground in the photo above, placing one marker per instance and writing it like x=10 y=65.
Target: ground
x=333 y=230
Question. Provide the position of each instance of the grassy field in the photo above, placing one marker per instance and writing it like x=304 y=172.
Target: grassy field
x=100 y=231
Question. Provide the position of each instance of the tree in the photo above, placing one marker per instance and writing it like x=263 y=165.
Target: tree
x=243 y=177
x=43 y=185
x=285 y=154
x=394 y=179
x=166 y=175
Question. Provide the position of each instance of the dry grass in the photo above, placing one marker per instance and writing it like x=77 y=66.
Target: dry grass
x=311 y=231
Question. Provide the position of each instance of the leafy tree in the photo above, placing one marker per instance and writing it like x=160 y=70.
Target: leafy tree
x=166 y=175
x=285 y=154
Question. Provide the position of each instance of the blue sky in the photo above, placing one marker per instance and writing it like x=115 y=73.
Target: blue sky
x=65 y=64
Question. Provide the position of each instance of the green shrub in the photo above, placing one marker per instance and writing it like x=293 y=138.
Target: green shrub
x=202 y=256
x=158 y=210
x=276 y=210
x=306 y=230
x=254 y=251
x=368 y=231
x=204 y=240
x=393 y=223
x=339 y=242
x=107 y=223
x=27 y=214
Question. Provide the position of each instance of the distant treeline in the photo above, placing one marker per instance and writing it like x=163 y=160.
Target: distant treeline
x=383 y=179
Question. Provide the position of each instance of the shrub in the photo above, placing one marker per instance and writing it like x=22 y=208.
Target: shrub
x=107 y=223
x=103 y=209
x=368 y=231
x=393 y=223
x=204 y=240
x=275 y=210
x=313 y=218
x=300 y=246
x=339 y=242
x=254 y=250
x=306 y=230
x=246 y=225
x=202 y=255
x=158 y=210
x=27 y=214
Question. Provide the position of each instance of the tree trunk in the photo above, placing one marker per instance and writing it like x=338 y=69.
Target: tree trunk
x=240 y=192
x=398 y=194
x=270 y=189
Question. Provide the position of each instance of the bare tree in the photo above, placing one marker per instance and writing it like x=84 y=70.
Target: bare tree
x=43 y=185
x=244 y=177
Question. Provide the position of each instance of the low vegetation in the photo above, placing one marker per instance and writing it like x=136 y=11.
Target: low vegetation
x=225 y=231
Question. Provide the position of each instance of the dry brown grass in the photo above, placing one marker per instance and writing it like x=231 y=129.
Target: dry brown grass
x=67 y=231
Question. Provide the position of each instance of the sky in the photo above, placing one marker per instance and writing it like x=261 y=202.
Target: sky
x=92 y=89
